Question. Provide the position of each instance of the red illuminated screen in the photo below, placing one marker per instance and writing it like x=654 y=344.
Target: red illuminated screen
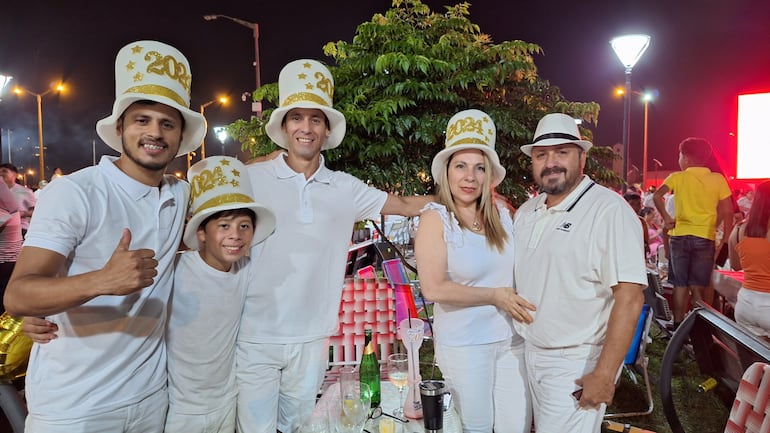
x=753 y=140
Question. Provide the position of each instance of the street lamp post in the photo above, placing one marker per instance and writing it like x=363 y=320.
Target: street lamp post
x=629 y=49
x=221 y=100
x=18 y=90
x=256 y=106
x=10 y=160
x=4 y=80
x=646 y=98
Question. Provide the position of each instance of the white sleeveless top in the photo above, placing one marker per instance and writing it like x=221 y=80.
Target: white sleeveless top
x=471 y=262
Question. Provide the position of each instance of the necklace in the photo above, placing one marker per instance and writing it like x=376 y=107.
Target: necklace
x=476 y=227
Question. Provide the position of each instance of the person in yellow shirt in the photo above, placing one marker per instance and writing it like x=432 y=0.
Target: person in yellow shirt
x=702 y=199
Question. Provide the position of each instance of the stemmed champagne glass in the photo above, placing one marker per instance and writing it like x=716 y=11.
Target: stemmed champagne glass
x=398 y=374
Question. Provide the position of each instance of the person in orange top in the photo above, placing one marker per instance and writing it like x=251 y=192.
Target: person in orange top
x=750 y=251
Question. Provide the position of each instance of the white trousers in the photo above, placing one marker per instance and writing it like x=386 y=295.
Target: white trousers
x=752 y=310
x=146 y=416
x=552 y=374
x=488 y=385
x=221 y=420
x=278 y=384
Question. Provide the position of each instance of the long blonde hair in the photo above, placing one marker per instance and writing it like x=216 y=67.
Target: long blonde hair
x=490 y=216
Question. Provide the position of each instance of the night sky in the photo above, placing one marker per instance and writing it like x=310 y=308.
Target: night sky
x=703 y=53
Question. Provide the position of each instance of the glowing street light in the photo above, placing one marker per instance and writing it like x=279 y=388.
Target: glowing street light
x=19 y=90
x=629 y=49
x=221 y=133
x=222 y=100
x=256 y=106
x=4 y=80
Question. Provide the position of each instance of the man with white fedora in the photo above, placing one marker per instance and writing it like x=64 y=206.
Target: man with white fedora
x=98 y=259
x=579 y=258
x=210 y=283
x=292 y=307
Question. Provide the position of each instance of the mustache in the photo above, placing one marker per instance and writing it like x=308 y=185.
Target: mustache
x=552 y=170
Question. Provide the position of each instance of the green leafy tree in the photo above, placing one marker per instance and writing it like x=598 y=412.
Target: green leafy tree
x=401 y=78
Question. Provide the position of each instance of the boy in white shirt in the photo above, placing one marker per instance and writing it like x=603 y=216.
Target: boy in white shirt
x=210 y=284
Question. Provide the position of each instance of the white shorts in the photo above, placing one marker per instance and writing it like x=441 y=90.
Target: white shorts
x=146 y=416
x=278 y=384
x=752 y=310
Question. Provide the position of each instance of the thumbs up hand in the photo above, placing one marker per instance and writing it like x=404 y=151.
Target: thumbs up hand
x=128 y=270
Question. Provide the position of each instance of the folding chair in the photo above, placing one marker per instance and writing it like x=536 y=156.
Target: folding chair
x=637 y=359
x=751 y=407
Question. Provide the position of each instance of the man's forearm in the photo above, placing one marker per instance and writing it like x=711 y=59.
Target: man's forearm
x=620 y=328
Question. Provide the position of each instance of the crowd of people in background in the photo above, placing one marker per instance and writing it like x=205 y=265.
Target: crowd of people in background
x=268 y=242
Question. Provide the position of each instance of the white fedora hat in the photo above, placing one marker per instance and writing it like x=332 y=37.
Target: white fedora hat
x=153 y=71
x=221 y=183
x=469 y=129
x=306 y=84
x=555 y=129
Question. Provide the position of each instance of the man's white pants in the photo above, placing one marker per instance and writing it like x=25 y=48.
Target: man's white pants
x=278 y=384
x=488 y=385
x=146 y=416
x=552 y=374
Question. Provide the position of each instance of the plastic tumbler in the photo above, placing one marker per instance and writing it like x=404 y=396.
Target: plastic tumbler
x=432 y=396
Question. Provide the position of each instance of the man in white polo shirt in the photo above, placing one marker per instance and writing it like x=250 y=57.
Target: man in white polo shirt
x=293 y=303
x=579 y=258
x=98 y=259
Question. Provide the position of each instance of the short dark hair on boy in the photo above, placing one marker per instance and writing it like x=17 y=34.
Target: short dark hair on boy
x=230 y=212
x=698 y=150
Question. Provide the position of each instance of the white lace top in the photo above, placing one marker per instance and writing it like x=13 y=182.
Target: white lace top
x=472 y=262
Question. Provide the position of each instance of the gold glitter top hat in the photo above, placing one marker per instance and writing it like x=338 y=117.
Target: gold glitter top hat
x=306 y=84
x=469 y=129
x=154 y=71
x=221 y=183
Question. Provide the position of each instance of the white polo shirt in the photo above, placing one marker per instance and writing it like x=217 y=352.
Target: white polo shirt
x=567 y=259
x=110 y=352
x=300 y=269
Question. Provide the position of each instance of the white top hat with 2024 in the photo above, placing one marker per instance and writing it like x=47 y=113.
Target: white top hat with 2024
x=469 y=129
x=306 y=84
x=154 y=71
x=220 y=183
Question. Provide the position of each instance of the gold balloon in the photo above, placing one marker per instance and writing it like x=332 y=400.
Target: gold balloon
x=14 y=348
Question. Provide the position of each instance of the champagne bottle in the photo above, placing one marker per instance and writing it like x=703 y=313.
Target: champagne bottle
x=369 y=370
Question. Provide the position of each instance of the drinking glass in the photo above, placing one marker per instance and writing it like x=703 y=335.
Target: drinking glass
x=349 y=413
x=398 y=374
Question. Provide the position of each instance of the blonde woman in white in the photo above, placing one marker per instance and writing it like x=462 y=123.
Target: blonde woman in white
x=464 y=252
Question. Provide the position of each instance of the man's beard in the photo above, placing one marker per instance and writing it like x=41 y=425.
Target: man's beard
x=148 y=165
x=559 y=186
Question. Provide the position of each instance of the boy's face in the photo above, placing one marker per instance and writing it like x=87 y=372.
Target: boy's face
x=224 y=240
